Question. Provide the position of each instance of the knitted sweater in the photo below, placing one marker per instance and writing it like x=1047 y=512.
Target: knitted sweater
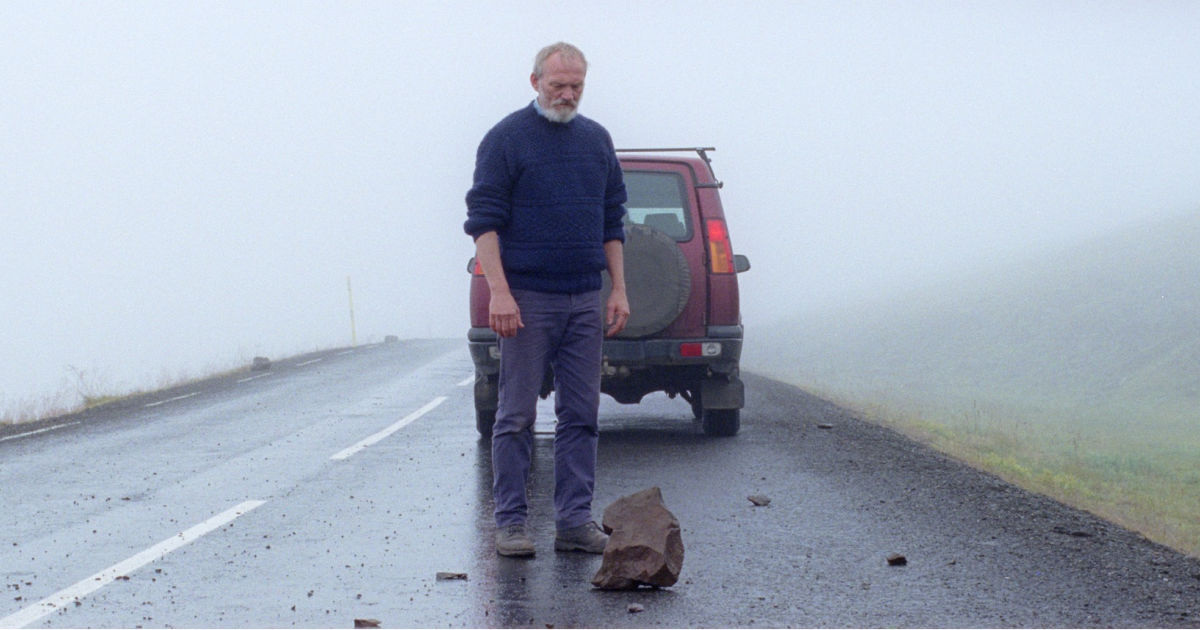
x=554 y=194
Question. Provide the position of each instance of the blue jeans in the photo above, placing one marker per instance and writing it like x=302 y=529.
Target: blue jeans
x=564 y=331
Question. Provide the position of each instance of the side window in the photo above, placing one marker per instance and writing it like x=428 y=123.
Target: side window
x=658 y=200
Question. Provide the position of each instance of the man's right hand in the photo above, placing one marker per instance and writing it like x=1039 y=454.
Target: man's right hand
x=504 y=316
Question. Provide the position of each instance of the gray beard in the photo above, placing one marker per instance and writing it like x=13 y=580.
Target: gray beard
x=554 y=115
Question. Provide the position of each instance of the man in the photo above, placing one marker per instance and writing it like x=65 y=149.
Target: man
x=546 y=214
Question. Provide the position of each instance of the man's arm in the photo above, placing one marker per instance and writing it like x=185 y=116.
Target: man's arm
x=616 y=312
x=504 y=316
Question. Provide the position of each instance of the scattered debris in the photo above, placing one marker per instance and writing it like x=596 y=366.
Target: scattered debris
x=897 y=560
x=260 y=364
x=1059 y=529
x=635 y=608
x=824 y=425
x=759 y=500
x=447 y=575
x=366 y=623
x=645 y=546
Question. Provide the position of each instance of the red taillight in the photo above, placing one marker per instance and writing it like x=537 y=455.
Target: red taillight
x=720 y=253
x=700 y=349
x=478 y=270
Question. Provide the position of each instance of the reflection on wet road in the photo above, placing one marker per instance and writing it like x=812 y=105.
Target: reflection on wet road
x=367 y=478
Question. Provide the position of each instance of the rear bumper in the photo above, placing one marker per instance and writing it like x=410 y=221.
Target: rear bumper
x=722 y=344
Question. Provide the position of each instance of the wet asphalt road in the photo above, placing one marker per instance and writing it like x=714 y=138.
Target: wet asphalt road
x=337 y=485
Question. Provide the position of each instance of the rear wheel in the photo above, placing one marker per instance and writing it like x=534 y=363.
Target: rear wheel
x=721 y=422
x=485 y=419
x=487 y=395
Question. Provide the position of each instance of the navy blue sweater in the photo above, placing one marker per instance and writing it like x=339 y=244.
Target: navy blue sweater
x=554 y=194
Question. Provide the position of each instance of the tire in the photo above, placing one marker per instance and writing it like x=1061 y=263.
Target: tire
x=487 y=397
x=721 y=422
x=485 y=419
x=658 y=281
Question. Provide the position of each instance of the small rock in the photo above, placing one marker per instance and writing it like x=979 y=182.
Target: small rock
x=1077 y=533
x=366 y=623
x=897 y=560
x=759 y=499
x=635 y=608
x=446 y=575
x=824 y=426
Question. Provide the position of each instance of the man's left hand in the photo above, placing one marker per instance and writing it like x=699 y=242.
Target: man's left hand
x=616 y=313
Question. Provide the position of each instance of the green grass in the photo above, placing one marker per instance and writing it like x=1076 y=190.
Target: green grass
x=1144 y=477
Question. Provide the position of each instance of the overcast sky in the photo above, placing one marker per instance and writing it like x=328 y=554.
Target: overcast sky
x=186 y=185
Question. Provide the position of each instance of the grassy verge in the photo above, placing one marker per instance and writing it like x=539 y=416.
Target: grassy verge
x=1139 y=468
x=88 y=393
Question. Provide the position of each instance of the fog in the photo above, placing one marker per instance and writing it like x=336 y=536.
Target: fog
x=188 y=185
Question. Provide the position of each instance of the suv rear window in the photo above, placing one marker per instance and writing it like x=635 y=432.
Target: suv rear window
x=658 y=200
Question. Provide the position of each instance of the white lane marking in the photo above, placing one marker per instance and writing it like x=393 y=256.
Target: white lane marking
x=87 y=586
x=405 y=421
x=309 y=362
x=163 y=402
x=547 y=421
x=251 y=378
x=28 y=433
x=345 y=352
x=467 y=381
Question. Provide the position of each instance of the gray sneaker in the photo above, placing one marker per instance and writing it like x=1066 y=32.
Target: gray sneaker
x=513 y=541
x=587 y=537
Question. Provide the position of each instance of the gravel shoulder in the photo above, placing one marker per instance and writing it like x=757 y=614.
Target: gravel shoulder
x=1014 y=557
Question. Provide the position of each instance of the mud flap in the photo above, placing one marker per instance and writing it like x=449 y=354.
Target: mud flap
x=722 y=394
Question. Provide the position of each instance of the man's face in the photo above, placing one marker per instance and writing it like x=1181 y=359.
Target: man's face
x=560 y=87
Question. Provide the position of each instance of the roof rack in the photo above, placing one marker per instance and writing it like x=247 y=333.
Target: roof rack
x=701 y=151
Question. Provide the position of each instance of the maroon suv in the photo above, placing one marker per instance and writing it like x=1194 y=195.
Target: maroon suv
x=684 y=335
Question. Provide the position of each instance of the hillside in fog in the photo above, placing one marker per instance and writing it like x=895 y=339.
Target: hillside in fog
x=1106 y=327
x=1074 y=373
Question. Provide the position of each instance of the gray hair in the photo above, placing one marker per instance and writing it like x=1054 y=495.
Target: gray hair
x=567 y=51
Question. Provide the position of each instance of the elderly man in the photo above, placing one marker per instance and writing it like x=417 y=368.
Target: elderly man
x=546 y=214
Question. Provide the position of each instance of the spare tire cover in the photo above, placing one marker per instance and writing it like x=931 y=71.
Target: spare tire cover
x=657 y=281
